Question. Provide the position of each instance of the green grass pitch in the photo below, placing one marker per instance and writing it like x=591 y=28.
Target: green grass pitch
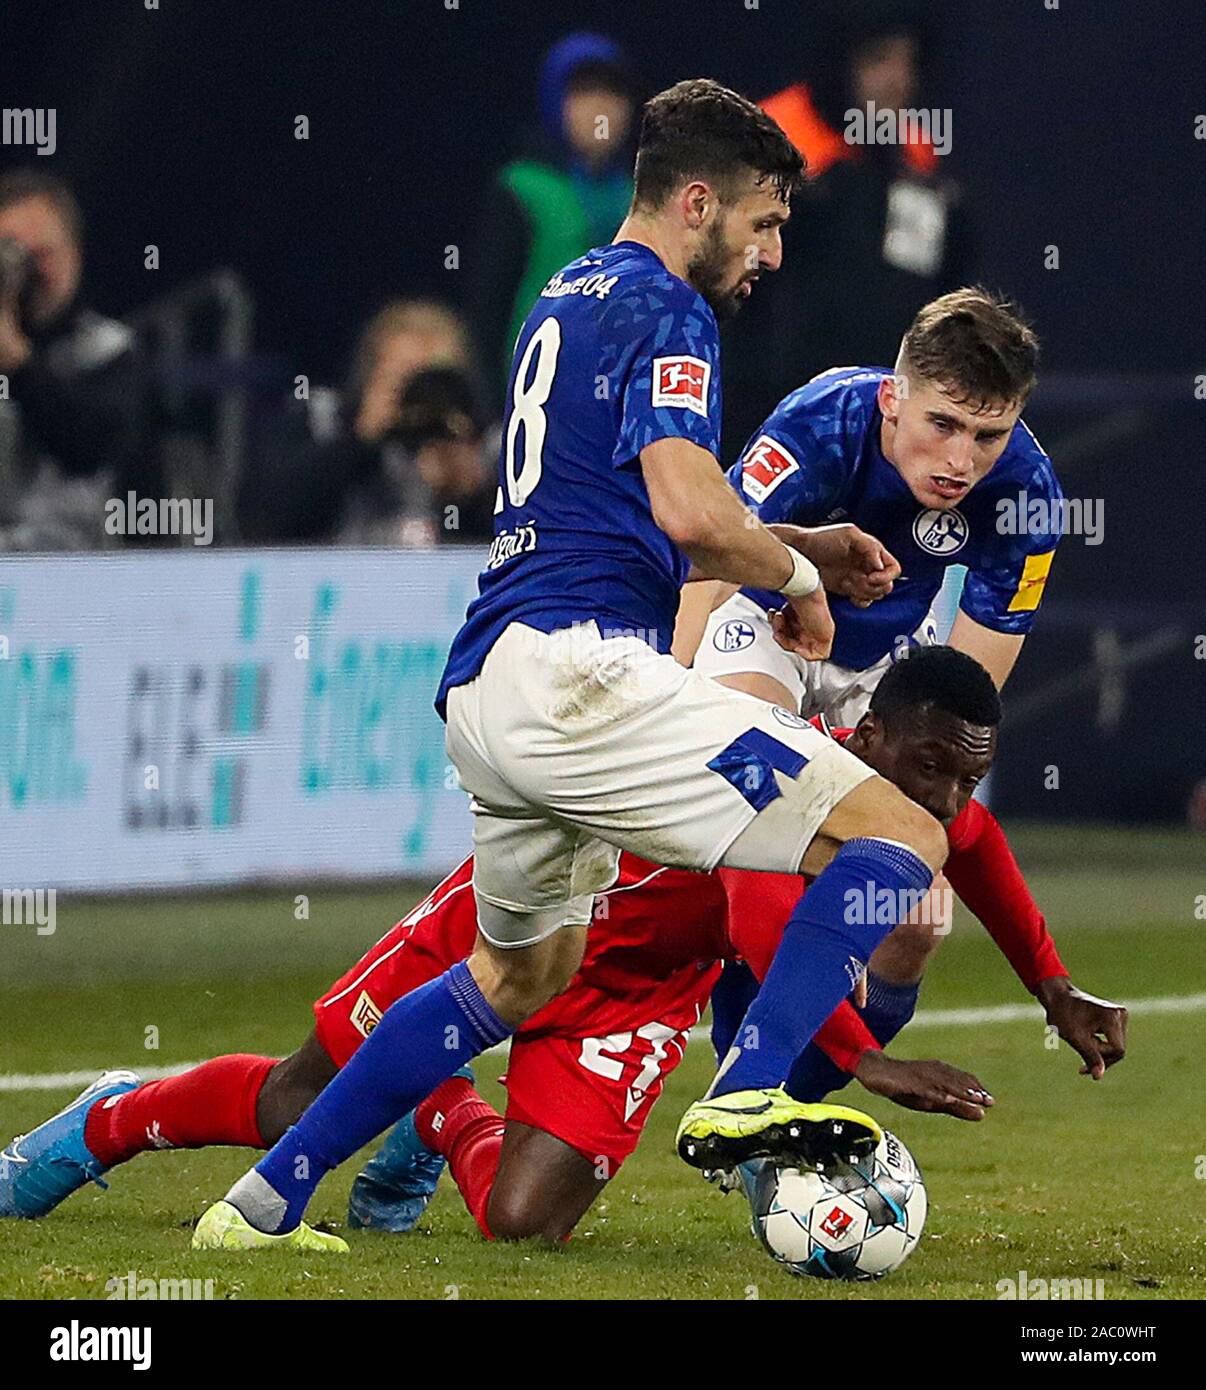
x=1065 y=1179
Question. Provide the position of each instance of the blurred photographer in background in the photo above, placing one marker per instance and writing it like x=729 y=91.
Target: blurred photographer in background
x=431 y=481
x=397 y=458
x=68 y=407
x=401 y=339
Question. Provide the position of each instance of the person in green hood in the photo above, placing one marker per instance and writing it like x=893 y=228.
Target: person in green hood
x=568 y=191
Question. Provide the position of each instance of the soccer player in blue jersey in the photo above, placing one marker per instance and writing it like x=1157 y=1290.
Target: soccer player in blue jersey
x=934 y=460
x=575 y=731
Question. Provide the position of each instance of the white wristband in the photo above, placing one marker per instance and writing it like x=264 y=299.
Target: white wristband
x=805 y=578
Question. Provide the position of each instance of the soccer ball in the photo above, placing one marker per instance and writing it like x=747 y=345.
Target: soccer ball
x=849 y=1221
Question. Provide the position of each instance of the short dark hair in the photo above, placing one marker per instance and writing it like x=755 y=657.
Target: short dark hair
x=699 y=129
x=946 y=679
x=19 y=185
x=975 y=343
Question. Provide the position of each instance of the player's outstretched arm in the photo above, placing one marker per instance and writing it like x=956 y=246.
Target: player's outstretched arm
x=694 y=505
x=930 y=1085
x=986 y=876
x=851 y=562
x=997 y=652
x=696 y=605
x=1094 y=1028
x=927 y=1085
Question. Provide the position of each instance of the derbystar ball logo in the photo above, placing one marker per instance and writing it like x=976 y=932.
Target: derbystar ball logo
x=681 y=382
x=765 y=467
x=836 y=1223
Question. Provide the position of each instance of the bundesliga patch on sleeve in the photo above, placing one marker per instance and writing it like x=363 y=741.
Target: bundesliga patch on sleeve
x=682 y=382
x=765 y=466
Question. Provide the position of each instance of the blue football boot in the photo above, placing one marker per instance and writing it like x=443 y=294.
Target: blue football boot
x=39 y=1169
x=392 y=1191
x=747 y=1175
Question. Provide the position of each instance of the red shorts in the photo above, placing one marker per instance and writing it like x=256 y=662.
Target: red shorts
x=593 y=1094
x=401 y=961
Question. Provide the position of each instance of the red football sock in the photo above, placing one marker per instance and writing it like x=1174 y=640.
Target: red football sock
x=212 y=1104
x=455 y=1121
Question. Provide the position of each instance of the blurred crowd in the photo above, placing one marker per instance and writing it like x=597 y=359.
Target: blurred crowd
x=403 y=452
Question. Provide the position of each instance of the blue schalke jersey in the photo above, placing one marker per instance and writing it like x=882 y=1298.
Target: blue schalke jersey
x=818 y=460
x=616 y=354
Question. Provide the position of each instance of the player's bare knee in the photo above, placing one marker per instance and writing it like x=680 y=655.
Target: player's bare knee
x=891 y=815
x=876 y=809
x=529 y=1199
x=508 y=1214
x=523 y=1213
x=925 y=836
x=518 y=982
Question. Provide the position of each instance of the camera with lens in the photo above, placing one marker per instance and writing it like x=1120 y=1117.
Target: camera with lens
x=437 y=405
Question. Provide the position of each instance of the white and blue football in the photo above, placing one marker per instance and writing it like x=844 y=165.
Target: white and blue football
x=847 y=1221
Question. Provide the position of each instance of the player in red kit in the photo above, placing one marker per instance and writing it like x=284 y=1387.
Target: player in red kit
x=585 y=1071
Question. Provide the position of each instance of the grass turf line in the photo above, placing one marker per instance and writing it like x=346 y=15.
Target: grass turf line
x=1066 y=1179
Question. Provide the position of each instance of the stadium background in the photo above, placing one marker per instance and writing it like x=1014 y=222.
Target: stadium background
x=284 y=767
x=176 y=128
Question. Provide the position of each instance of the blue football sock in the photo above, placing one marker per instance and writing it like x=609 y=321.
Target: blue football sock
x=732 y=996
x=421 y=1040
x=889 y=1007
x=868 y=886
x=814 y=1074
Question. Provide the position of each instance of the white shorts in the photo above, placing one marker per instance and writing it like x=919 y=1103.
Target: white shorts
x=738 y=640
x=574 y=746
